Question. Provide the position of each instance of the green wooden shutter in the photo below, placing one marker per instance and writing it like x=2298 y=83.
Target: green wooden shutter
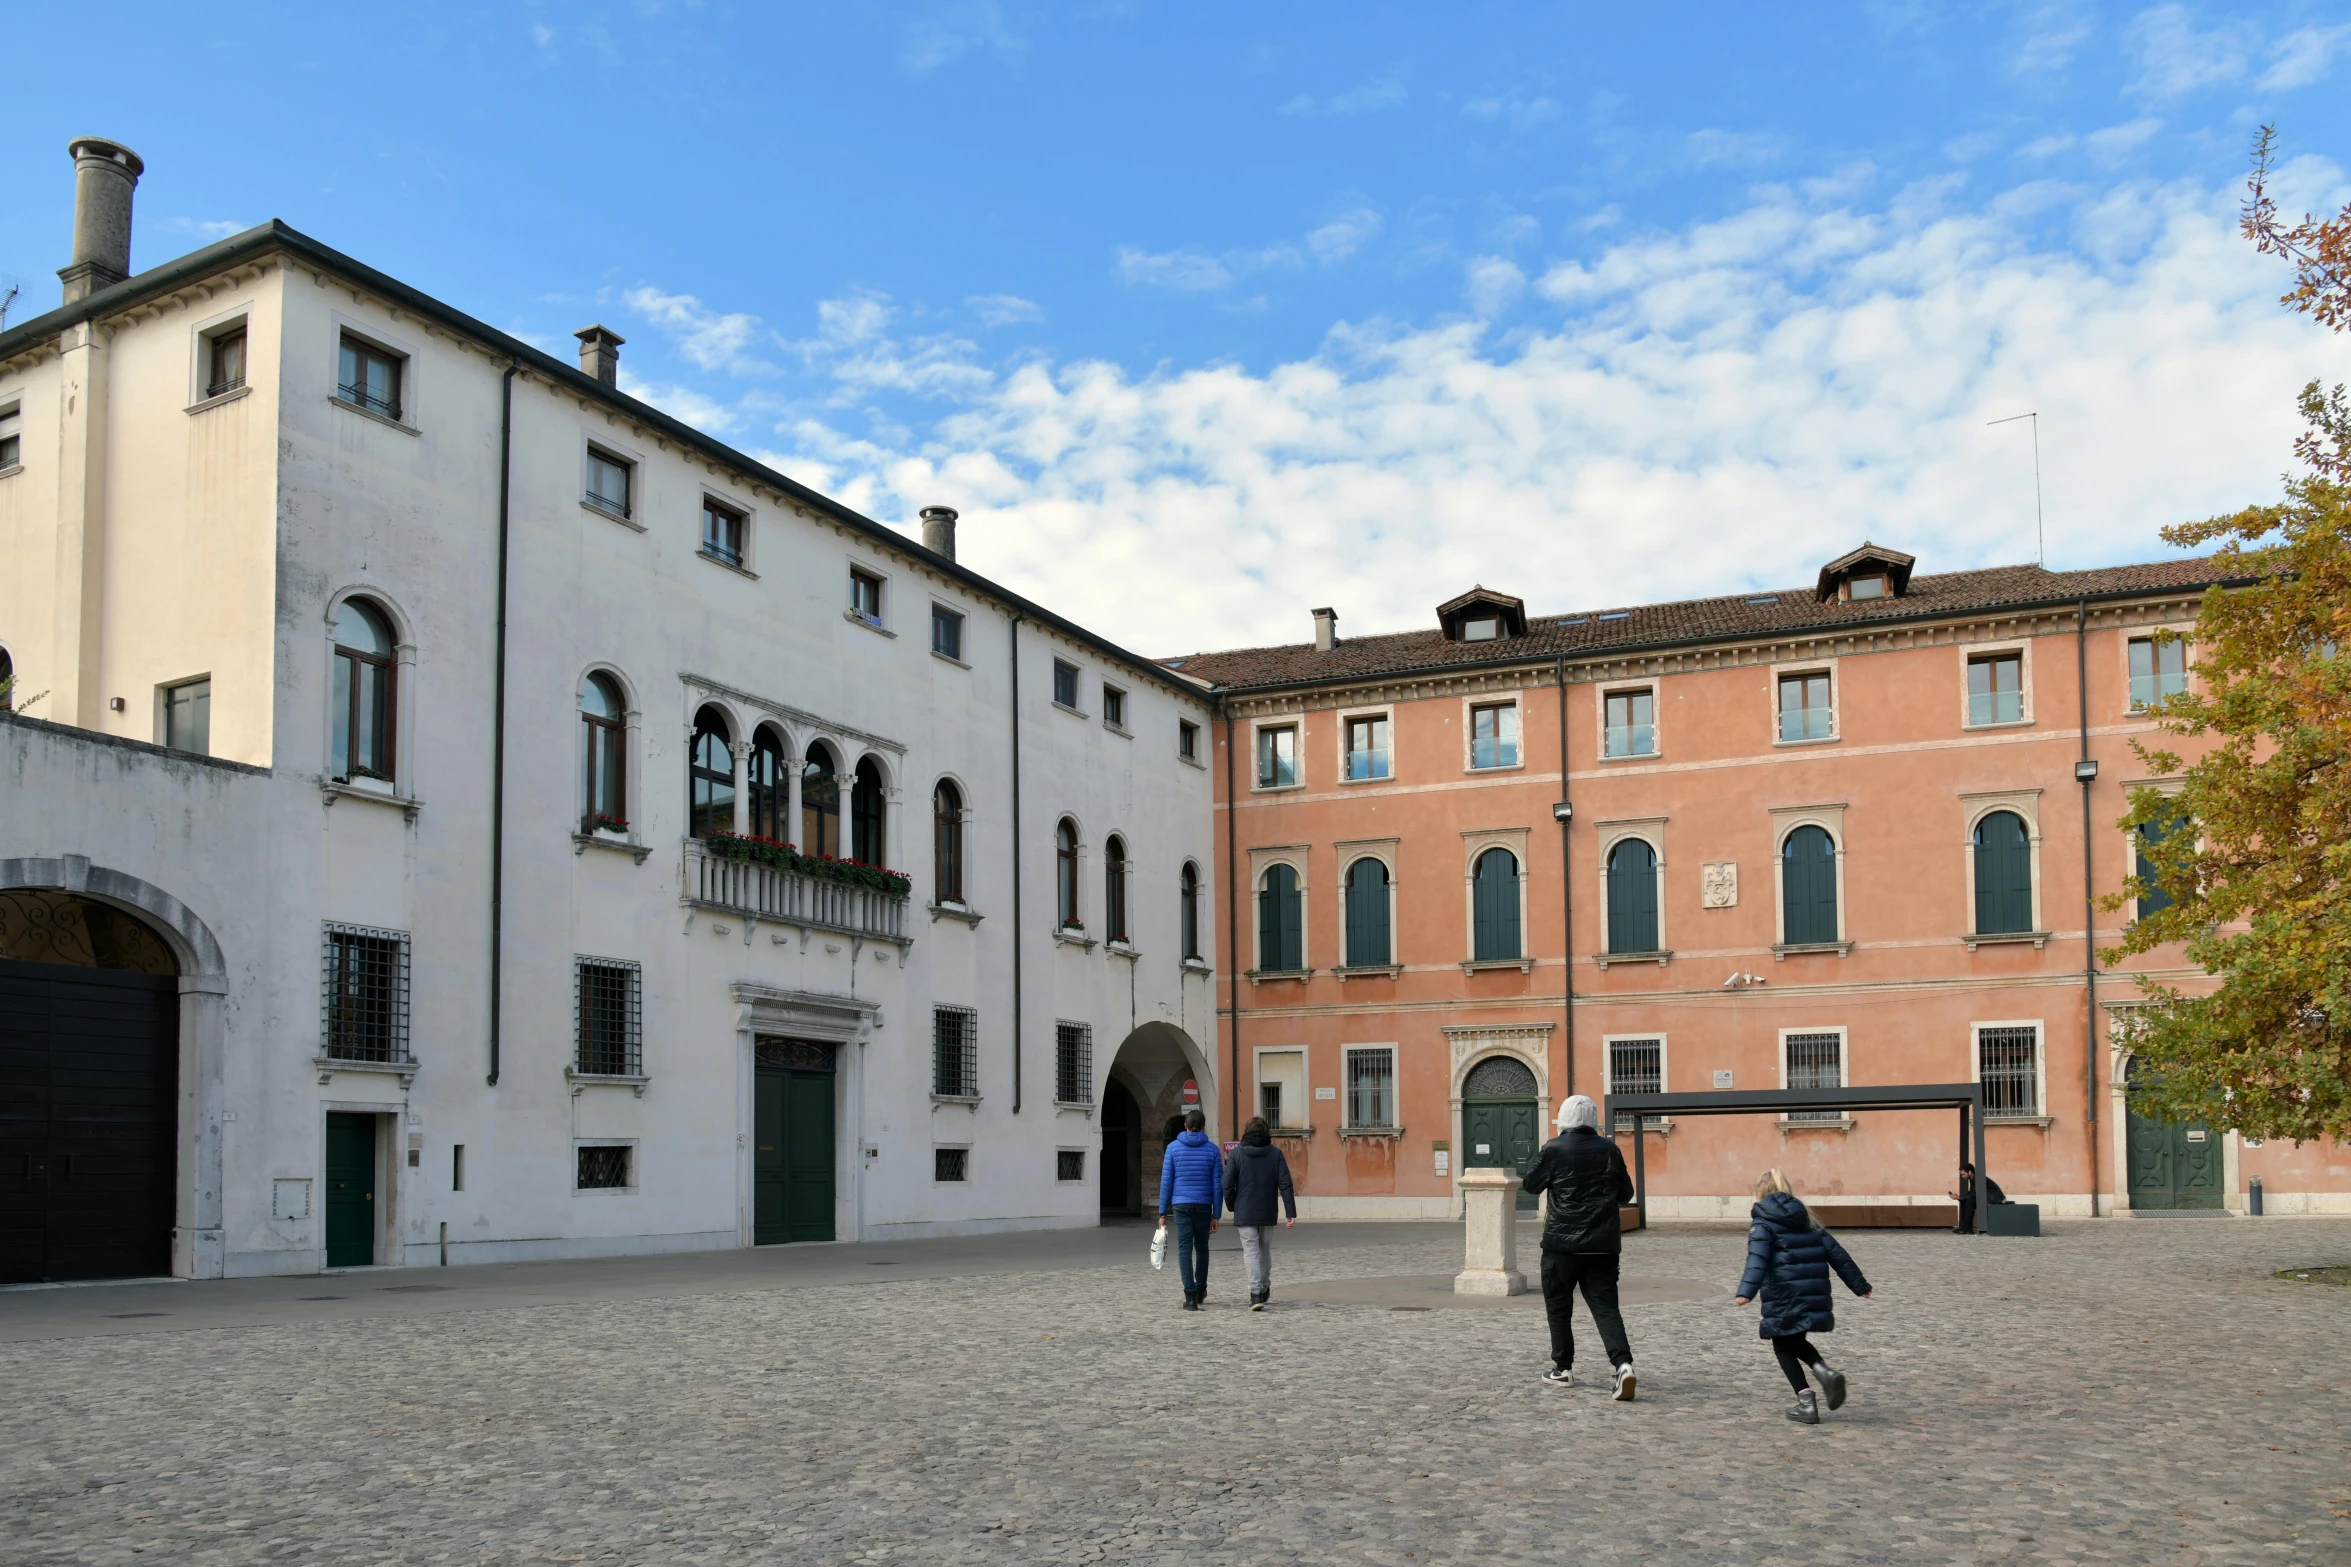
x=1632 y=897
x=1280 y=940
x=1367 y=914
x=2003 y=875
x=1809 y=887
x=1494 y=906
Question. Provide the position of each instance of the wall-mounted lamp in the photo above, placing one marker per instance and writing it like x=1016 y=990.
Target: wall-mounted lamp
x=1564 y=811
x=114 y=704
x=2085 y=771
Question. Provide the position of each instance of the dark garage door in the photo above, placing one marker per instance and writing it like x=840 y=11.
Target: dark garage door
x=89 y=1070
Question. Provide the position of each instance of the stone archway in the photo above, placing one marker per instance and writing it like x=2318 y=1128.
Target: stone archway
x=1151 y=1066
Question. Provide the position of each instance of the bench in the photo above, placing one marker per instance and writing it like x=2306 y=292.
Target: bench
x=1886 y=1215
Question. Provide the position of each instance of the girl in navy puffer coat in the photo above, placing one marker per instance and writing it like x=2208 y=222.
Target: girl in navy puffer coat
x=1788 y=1261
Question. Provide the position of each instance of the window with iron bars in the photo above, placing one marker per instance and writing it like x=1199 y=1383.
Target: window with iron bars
x=1816 y=1061
x=608 y=1020
x=950 y=1164
x=955 y=1052
x=605 y=1168
x=364 y=1009
x=1637 y=1066
x=1069 y=1164
x=1371 y=1087
x=2007 y=1063
x=1073 y=1063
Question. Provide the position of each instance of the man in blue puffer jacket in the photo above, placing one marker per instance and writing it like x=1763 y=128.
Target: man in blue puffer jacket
x=1788 y=1261
x=1191 y=1186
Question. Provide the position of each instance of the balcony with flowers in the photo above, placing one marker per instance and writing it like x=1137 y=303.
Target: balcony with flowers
x=764 y=879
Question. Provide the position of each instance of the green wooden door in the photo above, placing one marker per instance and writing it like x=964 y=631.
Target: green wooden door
x=767 y=1156
x=2173 y=1165
x=351 y=1190
x=1501 y=1121
x=792 y=1143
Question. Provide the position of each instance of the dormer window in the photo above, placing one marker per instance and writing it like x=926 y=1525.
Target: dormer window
x=1484 y=628
x=1866 y=574
x=1866 y=588
x=1482 y=615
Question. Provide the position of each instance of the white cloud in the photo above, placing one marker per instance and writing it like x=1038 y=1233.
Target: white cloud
x=2117 y=141
x=2055 y=30
x=1004 y=309
x=1383 y=92
x=203 y=228
x=681 y=402
x=1186 y=271
x=1732 y=149
x=541 y=34
x=1196 y=272
x=947 y=30
x=714 y=341
x=2303 y=57
x=1521 y=111
x=2176 y=59
x=1493 y=283
x=1344 y=235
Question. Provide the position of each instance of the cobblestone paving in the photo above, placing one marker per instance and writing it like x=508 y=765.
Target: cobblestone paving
x=2138 y=1392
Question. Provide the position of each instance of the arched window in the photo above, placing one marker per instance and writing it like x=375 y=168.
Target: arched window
x=1368 y=943
x=1632 y=897
x=1065 y=871
x=604 y=771
x=7 y=682
x=710 y=776
x=1281 y=922
x=767 y=787
x=1188 y=911
x=1494 y=906
x=1114 y=889
x=363 y=738
x=2003 y=875
x=946 y=843
x=866 y=808
x=820 y=803
x=1808 y=887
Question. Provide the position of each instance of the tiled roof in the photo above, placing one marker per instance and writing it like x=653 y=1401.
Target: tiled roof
x=1600 y=632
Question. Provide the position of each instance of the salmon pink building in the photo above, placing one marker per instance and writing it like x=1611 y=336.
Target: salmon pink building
x=1844 y=834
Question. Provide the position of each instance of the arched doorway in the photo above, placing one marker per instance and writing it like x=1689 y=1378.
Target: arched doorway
x=1150 y=1068
x=1501 y=1118
x=2171 y=1164
x=1122 y=1152
x=89 y=1090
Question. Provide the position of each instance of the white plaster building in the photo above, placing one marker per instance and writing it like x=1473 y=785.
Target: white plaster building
x=328 y=587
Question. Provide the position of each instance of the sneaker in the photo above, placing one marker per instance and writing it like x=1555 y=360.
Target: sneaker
x=1191 y=1303
x=1257 y=1303
x=1832 y=1382
x=1626 y=1383
x=1559 y=1376
x=1804 y=1411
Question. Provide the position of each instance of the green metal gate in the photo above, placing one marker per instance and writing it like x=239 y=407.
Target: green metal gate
x=792 y=1142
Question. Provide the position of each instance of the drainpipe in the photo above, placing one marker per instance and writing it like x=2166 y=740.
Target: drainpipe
x=1564 y=813
x=1019 y=929
x=498 y=716
x=1232 y=922
x=2085 y=772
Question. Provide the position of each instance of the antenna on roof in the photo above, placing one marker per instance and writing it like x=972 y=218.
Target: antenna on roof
x=7 y=299
x=2040 y=536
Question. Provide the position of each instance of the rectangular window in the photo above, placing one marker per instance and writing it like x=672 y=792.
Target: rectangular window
x=1867 y=588
x=608 y=482
x=2158 y=670
x=187 y=717
x=1995 y=689
x=946 y=632
x=608 y=1032
x=1065 y=684
x=1277 y=757
x=1493 y=735
x=1485 y=628
x=457 y=1167
x=1804 y=707
x=1114 y=707
x=605 y=1169
x=2008 y=1064
x=1069 y=1164
x=224 y=361
x=865 y=596
x=1632 y=723
x=1187 y=740
x=722 y=533
x=1816 y=1061
x=1367 y=747
x=9 y=435
x=2155 y=900
x=370 y=378
x=1371 y=1087
x=1269 y=1103
x=951 y=1164
x=955 y=1052
x=1636 y=1066
x=364 y=1011
x=1073 y=1063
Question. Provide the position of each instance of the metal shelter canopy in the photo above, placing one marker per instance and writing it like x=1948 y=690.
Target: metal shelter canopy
x=1966 y=1098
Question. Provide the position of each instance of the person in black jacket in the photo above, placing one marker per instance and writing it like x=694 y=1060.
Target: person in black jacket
x=1584 y=1177
x=1788 y=1261
x=1255 y=1173
x=1965 y=1196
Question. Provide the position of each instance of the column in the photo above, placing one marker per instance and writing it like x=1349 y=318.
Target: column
x=1489 y=1263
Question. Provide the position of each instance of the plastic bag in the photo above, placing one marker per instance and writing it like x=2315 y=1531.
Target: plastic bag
x=1159 y=1247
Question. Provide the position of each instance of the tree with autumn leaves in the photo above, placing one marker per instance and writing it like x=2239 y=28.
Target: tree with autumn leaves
x=2247 y=849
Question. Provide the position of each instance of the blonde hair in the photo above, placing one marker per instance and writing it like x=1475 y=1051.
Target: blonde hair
x=1773 y=1180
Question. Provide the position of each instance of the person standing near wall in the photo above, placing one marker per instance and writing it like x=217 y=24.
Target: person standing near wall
x=1255 y=1174
x=1583 y=1239
x=1191 y=1189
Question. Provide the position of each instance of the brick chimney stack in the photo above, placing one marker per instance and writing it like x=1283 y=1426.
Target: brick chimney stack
x=600 y=353
x=104 y=175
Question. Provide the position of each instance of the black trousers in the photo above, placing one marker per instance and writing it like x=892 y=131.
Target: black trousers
x=1795 y=1352
x=1595 y=1273
x=1966 y=1215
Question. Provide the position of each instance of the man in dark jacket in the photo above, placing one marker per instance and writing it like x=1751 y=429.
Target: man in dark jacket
x=1254 y=1175
x=1965 y=1196
x=1584 y=1177
x=1191 y=1187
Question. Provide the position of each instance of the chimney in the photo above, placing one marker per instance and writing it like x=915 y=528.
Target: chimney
x=600 y=353
x=938 y=530
x=1326 y=630
x=104 y=175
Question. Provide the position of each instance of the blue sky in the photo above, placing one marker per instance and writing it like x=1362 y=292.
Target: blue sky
x=1209 y=315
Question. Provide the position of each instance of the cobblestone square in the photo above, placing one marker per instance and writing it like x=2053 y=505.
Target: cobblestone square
x=2141 y=1391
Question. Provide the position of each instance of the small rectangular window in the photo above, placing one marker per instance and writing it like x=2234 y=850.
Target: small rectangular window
x=608 y=1023
x=955 y=1052
x=9 y=435
x=1493 y=735
x=187 y=717
x=950 y=1164
x=1371 y=1087
x=1995 y=689
x=1073 y=1063
x=1114 y=707
x=946 y=632
x=1069 y=1164
x=2158 y=670
x=2008 y=1063
x=722 y=532
x=1187 y=740
x=1804 y=707
x=1269 y=1103
x=605 y=1168
x=224 y=361
x=1065 y=684
x=364 y=1011
x=1367 y=748
x=370 y=378
x=1277 y=757
x=457 y=1167
x=1632 y=723
x=1485 y=628
x=1816 y=1061
x=865 y=596
x=1636 y=1066
x=1866 y=588
x=608 y=482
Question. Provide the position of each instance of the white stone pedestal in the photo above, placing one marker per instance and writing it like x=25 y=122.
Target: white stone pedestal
x=1489 y=1263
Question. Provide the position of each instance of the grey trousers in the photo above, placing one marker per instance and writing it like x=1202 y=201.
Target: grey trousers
x=1257 y=1251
